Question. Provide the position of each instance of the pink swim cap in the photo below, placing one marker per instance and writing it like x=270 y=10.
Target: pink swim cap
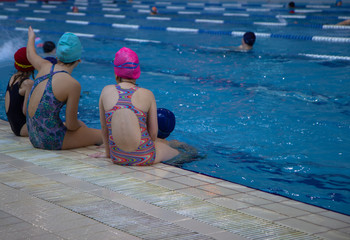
x=126 y=64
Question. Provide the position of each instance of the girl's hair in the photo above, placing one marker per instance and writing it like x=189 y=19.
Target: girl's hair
x=21 y=76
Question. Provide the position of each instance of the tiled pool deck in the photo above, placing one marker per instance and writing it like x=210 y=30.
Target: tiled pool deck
x=69 y=195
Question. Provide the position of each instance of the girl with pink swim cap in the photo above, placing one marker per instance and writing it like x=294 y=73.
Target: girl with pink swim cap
x=128 y=116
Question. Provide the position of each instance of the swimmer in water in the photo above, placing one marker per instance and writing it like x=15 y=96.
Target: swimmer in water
x=49 y=49
x=154 y=11
x=166 y=125
x=248 y=41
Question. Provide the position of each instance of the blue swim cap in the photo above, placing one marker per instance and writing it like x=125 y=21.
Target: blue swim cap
x=166 y=122
x=68 y=48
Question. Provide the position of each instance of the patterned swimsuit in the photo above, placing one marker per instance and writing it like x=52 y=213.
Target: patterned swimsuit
x=146 y=152
x=45 y=128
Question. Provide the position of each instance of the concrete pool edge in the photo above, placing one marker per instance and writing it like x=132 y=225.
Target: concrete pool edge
x=178 y=200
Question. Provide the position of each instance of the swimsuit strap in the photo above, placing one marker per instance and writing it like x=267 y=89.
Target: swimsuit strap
x=125 y=96
x=49 y=75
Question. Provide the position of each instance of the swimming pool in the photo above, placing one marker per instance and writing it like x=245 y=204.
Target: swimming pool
x=275 y=119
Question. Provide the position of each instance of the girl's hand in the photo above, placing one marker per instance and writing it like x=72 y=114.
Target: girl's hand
x=98 y=155
x=31 y=33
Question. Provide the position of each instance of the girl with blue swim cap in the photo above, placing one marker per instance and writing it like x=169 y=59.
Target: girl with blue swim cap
x=53 y=88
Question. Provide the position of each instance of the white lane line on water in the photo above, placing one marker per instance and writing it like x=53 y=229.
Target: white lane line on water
x=143 y=11
x=3 y=17
x=113 y=16
x=272 y=5
x=159 y=18
x=188 y=13
x=11 y=9
x=214 y=9
x=265 y=35
x=110 y=5
x=318 y=6
x=209 y=21
x=270 y=24
x=48 y=6
x=175 y=8
x=307 y=11
x=35 y=19
x=162 y=3
x=21 y=5
x=330 y=39
x=258 y=10
x=85 y=35
x=77 y=22
x=238 y=34
x=141 y=6
x=236 y=14
x=42 y=11
x=344 y=17
x=117 y=25
x=174 y=29
x=291 y=16
x=111 y=9
x=236 y=5
x=26 y=29
x=196 y=4
x=76 y=14
x=331 y=57
x=335 y=27
x=141 y=40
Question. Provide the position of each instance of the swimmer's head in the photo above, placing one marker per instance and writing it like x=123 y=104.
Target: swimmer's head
x=166 y=122
x=48 y=46
x=68 y=48
x=338 y=3
x=21 y=61
x=291 y=4
x=154 y=10
x=126 y=64
x=249 y=38
x=38 y=42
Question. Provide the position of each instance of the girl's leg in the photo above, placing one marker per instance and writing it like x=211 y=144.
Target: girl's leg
x=82 y=137
x=164 y=152
x=24 y=131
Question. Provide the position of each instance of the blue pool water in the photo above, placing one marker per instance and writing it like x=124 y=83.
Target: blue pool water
x=275 y=119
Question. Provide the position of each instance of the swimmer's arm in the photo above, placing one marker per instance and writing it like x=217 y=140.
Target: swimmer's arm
x=32 y=55
x=27 y=86
x=152 y=121
x=104 y=129
x=73 y=97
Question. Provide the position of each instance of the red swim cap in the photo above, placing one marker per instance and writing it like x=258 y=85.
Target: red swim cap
x=21 y=62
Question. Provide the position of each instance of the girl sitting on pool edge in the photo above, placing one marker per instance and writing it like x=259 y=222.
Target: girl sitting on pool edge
x=17 y=93
x=128 y=116
x=53 y=88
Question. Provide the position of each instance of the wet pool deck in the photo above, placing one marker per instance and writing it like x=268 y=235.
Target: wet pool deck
x=69 y=195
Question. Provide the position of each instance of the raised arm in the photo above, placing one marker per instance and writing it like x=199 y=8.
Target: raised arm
x=32 y=56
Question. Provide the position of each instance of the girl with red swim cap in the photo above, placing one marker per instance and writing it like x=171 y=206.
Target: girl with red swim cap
x=17 y=93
